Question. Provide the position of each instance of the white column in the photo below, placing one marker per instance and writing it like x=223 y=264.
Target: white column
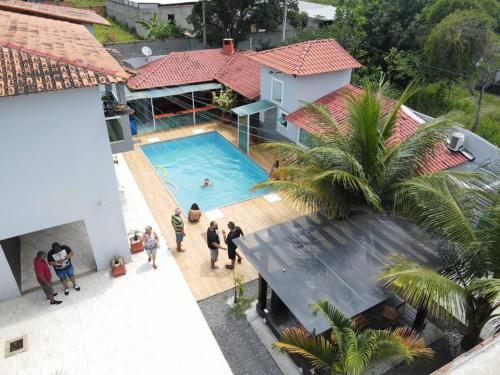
x=192 y=99
x=153 y=114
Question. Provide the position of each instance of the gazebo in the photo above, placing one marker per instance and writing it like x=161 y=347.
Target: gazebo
x=313 y=258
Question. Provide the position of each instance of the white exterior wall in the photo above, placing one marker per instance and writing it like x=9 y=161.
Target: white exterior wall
x=57 y=168
x=299 y=90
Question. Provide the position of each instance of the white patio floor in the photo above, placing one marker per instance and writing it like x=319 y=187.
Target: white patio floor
x=146 y=322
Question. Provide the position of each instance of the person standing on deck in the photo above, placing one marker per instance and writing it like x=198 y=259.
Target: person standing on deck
x=178 y=225
x=234 y=232
x=213 y=243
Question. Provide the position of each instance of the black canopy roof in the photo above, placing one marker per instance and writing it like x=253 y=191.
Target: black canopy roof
x=313 y=258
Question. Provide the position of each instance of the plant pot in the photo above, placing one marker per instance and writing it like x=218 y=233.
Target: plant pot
x=136 y=246
x=118 y=270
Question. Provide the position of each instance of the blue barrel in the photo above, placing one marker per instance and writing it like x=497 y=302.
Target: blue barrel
x=133 y=125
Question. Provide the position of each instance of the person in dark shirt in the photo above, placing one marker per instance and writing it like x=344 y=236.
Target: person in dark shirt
x=234 y=232
x=44 y=277
x=213 y=243
x=60 y=258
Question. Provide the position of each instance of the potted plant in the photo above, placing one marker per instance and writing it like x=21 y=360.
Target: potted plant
x=135 y=240
x=118 y=266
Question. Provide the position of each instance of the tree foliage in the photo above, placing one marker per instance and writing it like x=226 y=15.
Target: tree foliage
x=235 y=18
x=160 y=29
x=359 y=165
x=348 y=350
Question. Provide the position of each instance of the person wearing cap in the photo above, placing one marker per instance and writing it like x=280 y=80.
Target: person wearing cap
x=44 y=277
x=178 y=225
x=60 y=258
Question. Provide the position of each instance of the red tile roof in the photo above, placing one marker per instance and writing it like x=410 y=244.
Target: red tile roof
x=242 y=75
x=190 y=67
x=40 y=54
x=62 y=13
x=311 y=57
x=406 y=125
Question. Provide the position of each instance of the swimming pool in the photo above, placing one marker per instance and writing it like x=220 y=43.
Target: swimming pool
x=184 y=163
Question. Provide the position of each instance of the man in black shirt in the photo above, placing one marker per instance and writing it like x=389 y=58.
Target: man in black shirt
x=213 y=243
x=234 y=232
x=60 y=258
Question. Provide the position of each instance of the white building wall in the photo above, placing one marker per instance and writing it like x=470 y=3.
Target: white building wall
x=299 y=90
x=57 y=168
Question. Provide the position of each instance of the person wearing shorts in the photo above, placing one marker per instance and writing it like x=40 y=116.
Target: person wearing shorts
x=151 y=244
x=213 y=243
x=60 y=258
x=44 y=277
x=178 y=225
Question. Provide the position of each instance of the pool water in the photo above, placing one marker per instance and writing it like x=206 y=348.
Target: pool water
x=184 y=163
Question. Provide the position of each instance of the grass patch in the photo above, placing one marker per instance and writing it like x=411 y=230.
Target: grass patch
x=115 y=33
x=85 y=3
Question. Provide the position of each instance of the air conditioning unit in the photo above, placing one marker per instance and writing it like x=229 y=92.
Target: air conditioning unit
x=456 y=142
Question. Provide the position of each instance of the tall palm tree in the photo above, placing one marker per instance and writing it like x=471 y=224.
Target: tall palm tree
x=360 y=164
x=348 y=350
x=466 y=214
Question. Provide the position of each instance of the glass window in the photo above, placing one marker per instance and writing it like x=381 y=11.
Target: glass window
x=282 y=118
x=305 y=139
x=277 y=90
x=115 y=130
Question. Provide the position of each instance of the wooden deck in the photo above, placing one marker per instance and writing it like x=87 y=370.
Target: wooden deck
x=252 y=215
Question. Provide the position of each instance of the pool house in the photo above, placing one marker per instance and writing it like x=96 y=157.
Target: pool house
x=176 y=90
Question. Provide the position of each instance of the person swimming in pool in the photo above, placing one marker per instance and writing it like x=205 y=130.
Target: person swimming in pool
x=206 y=183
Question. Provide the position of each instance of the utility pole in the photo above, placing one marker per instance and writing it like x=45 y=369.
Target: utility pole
x=285 y=11
x=204 y=24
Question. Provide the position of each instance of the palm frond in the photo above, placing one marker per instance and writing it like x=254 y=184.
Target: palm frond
x=335 y=317
x=360 y=350
x=417 y=284
x=319 y=351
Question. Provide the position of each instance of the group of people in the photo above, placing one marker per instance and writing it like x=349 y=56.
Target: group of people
x=213 y=237
x=59 y=257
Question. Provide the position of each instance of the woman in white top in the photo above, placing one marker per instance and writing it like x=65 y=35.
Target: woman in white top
x=151 y=244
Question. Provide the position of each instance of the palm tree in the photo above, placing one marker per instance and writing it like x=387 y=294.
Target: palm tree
x=360 y=164
x=467 y=216
x=349 y=350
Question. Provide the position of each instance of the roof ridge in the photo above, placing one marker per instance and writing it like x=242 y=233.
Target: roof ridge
x=61 y=59
x=148 y=74
x=226 y=65
x=302 y=57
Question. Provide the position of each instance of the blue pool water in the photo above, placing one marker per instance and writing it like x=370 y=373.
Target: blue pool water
x=184 y=163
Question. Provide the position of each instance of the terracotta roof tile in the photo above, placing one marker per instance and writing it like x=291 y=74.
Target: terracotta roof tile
x=190 y=67
x=311 y=57
x=56 y=12
x=242 y=75
x=39 y=54
x=406 y=125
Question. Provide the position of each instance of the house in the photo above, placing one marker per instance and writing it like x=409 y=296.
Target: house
x=128 y=12
x=58 y=182
x=83 y=17
x=319 y=15
x=176 y=90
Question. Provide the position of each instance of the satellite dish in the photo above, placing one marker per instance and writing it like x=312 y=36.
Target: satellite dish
x=146 y=51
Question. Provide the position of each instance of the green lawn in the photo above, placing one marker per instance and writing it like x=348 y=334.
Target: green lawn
x=115 y=33
x=85 y=3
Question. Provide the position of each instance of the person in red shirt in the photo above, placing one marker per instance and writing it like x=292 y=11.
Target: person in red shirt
x=44 y=277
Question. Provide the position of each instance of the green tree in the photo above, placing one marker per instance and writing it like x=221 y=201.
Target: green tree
x=466 y=215
x=161 y=29
x=234 y=18
x=344 y=168
x=349 y=351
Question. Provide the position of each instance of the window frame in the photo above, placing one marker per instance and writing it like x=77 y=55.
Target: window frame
x=274 y=79
x=278 y=118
